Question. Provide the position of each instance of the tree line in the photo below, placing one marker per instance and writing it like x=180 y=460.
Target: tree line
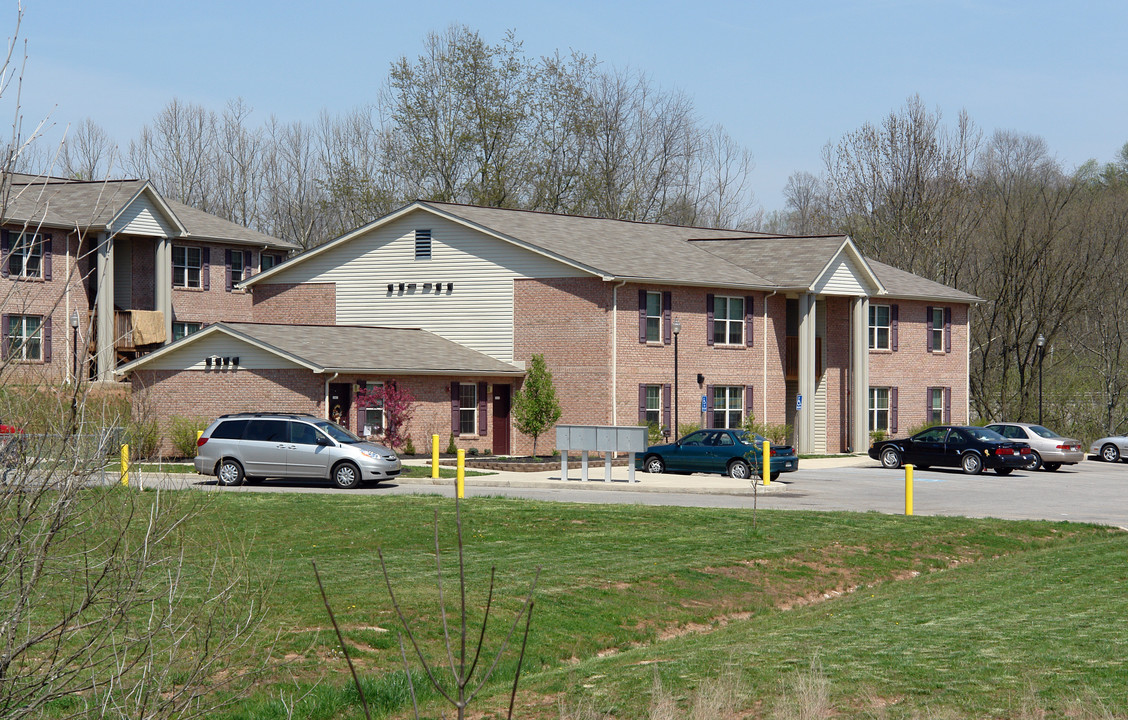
x=995 y=215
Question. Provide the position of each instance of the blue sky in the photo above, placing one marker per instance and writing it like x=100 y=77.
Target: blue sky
x=782 y=78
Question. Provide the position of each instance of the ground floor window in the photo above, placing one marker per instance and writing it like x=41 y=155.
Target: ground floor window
x=468 y=408
x=937 y=405
x=879 y=409
x=25 y=337
x=374 y=414
x=653 y=405
x=184 y=329
x=728 y=406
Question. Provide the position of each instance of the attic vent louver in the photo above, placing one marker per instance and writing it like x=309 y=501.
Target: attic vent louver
x=422 y=244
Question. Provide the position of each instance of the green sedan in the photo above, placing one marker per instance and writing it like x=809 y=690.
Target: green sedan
x=728 y=452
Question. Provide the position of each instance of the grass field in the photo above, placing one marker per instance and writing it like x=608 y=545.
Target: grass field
x=643 y=611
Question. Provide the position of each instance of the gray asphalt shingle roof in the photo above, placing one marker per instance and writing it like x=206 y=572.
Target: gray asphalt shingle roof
x=354 y=348
x=902 y=284
x=57 y=202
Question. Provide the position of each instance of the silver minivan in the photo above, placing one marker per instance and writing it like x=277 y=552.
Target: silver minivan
x=253 y=446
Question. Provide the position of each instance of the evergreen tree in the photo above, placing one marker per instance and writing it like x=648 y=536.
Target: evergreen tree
x=535 y=407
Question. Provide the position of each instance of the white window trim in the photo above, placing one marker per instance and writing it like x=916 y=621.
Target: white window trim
x=726 y=323
x=19 y=338
x=938 y=330
x=657 y=319
x=874 y=408
x=185 y=325
x=24 y=250
x=377 y=428
x=187 y=265
x=729 y=396
x=874 y=328
x=473 y=409
x=657 y=410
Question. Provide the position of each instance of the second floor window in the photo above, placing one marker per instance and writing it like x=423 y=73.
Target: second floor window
x=184 y=329
x=186 y=265
x=267 y=261
x=728 y=321
x=25 y=259
x=654 y=317
x=936 y=329
x=879 y=323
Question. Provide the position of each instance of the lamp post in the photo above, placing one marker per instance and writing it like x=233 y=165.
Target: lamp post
x=74 y=330
x=1041 y=343
x=677 y=331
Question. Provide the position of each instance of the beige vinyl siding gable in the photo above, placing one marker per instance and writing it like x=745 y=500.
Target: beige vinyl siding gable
x=842 y=277
x=142 y=217
x=477 y=313
x=192 y=355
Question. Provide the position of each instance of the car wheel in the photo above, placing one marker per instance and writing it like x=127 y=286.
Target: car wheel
x=654 y=465
x=229 y=473
x=774 y=475
x=1110 y=453
x=1035 y=462
x=1052 y=466
x=971 y=464
x=346 y=476
x=890 y=458
x=1004 y=471
x=739 y=470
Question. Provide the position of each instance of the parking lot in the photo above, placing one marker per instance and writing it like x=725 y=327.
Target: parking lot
x=1093 y=491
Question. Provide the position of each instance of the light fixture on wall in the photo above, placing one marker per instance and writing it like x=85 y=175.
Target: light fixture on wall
x=700 y=379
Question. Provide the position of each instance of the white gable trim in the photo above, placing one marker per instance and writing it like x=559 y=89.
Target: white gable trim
x=218 y=328
x=422 y=206
x=155 y=198
x=847 y=256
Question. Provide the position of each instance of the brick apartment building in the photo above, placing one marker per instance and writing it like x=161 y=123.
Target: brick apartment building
x=93 y=274
x=451 y=302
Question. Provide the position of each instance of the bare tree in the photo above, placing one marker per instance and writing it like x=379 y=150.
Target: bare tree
x=88 y=152
x=177 y=152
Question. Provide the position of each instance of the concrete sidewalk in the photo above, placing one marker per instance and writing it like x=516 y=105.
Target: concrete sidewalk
x=644 y=482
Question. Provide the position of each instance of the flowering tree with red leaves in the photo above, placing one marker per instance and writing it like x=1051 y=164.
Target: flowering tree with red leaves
x=398 y=405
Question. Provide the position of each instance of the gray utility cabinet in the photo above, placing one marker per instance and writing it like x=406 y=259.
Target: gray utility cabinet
x=606 y=439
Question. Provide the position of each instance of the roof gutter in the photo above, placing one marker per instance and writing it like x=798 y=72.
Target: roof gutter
x=327 y=381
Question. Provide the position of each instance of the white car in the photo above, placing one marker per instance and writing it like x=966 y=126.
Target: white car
x=1110 y=449
x=1051 y=450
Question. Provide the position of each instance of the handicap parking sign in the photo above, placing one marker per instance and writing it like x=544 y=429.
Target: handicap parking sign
x=798 y=402
x=704 y=403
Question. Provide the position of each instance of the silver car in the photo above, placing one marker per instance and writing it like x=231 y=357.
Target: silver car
x=254 y=446
x=1110 y=449
x=1051 y=450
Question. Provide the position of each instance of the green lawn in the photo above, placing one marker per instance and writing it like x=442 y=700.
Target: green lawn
x=907 y=617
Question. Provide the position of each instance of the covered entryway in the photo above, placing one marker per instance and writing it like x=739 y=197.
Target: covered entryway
x=340 y=403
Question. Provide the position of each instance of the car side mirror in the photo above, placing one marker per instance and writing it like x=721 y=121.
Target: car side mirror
x=322 y=440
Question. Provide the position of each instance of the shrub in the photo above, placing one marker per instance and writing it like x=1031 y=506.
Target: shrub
x=144 y=439
x=687 y=428
x=877 y=436
x=654 y=433
x=776 y=434
x=408 y=446
x=182 y=432
x=451 y=448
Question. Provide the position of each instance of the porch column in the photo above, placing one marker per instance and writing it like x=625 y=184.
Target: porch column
x=859 y=362
x=163 y=284
x=805 y=418
x=105 y=356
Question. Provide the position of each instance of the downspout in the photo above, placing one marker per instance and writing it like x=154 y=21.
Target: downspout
x=764 y=394
x=615 y=351
x=327 y=381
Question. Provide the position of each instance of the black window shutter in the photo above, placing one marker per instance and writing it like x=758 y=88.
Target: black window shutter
x=947 y=404
x=709 y=399
x=667 y=312
x=227 y=265
x=455 y=426
x=205 y=268
x=642 y=316
x=893 y=410
x=45 y=337
x=928 y=327
x=642 y=403
x=247 y=264
x=4 y=320
x=48 y=248
x=947 y=329
x=928 y=404
x=893 y=327
x=748 y=315
x=483 y=415
x=254 y=259
x=709 y=319
x=666 y=408
x=360 y=387
x=5 y=246
x=749 y=401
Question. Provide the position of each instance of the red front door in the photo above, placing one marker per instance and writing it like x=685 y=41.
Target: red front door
x=501 y=419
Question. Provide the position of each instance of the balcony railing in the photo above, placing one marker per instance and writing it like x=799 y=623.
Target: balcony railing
x=791 y=357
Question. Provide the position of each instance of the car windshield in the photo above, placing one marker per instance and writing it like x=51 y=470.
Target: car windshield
x=1043 y=432
x=750 y=438
x=337 y=432
x=980 y=433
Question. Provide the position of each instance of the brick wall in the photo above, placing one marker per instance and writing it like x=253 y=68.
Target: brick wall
x=301 y=304
x=912 y=369
x=216 y=303
x=48 y=299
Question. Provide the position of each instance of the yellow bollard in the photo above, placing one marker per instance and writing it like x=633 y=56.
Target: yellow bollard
x=460 y=484
x=124 y=464
x=199 y=434
x=908 y=489
x=434 y=457
x=766 y=463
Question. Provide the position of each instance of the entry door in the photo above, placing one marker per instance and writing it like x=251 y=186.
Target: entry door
x=340 y=403
x=501 y=403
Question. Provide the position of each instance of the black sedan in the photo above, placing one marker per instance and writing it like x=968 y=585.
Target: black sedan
x=962 y=446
